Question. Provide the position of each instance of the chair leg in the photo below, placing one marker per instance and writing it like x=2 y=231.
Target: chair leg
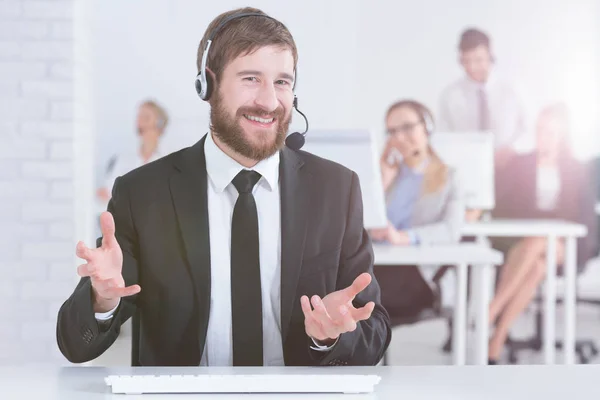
x=447 y=348
x=585 y=349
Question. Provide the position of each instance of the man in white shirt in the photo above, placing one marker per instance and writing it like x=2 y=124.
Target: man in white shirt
x=482 y=101
x=238 y=250
x=151 y=122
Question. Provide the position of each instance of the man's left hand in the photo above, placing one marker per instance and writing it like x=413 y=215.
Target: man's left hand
x=335 y=314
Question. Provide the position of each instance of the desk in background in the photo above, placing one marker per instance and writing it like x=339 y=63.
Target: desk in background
x=415 y=383
x=552 y=230
x=462 y=255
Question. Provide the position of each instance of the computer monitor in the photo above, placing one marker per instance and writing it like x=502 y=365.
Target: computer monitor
x=356 y=150
x=472 y=155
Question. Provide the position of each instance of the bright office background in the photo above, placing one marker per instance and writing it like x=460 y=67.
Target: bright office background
x=72 y=73
x=355 y=58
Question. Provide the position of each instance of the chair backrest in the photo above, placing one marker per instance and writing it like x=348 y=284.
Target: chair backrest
x=356 y=150
x=472 y=155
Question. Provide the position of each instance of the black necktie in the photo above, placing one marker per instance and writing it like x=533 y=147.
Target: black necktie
x=246 y=299
x=484 y=111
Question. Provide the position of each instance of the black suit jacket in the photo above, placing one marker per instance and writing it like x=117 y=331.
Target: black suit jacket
x=161 y=218
x=516 y=197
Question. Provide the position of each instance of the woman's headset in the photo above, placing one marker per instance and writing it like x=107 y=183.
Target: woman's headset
x=426 y=117
x=421 y=109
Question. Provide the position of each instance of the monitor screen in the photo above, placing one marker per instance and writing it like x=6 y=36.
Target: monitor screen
x=472 y=155
x=356 y=150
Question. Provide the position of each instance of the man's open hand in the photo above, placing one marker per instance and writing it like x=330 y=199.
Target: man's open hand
x=335 y=314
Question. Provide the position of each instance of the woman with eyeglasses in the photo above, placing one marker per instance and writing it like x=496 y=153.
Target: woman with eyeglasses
x=424 y=206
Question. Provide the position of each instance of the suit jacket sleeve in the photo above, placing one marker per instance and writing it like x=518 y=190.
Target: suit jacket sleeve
x=367 y=344
x=80 y=336
x=447 y=229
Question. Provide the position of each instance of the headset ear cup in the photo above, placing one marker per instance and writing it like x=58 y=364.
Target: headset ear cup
x=429 y=126
x=204 y=86
x=198 y=85
x=210 y=84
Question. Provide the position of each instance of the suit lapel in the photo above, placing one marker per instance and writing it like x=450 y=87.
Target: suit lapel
x=295 y=203
x=189 y=193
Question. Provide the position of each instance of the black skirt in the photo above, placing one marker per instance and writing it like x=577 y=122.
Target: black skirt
x=404 y=292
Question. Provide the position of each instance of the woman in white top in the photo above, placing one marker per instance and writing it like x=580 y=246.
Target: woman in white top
x=151 y=123
x=548 y=183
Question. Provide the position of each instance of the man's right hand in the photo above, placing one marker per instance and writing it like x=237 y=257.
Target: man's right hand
x=104 y=265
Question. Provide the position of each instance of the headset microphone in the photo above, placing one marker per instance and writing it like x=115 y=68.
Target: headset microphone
x=296 y=140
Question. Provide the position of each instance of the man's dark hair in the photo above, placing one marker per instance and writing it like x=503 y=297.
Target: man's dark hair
x=473 y=38
x=241 y=37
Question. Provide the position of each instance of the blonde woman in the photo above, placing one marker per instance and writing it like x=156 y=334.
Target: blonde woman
x=549 y=183
x=424 y=205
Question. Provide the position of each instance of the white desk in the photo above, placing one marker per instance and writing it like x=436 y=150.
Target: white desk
x=461 y=255
x=414 y=383
x=552 y=230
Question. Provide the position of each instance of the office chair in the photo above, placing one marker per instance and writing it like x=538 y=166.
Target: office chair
x=585 y=349
x=428 y=314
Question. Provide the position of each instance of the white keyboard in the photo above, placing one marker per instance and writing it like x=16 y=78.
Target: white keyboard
x=284 y=383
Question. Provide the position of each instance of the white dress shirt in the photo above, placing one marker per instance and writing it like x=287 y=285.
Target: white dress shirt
x=459 y=111
x=548 y=187
x=222 y=195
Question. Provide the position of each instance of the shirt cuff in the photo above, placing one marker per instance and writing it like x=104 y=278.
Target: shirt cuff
x=322 y=348
x=107 y=315
x=413 y=237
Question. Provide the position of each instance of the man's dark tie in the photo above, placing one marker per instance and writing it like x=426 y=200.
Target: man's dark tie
x=246 y=299
x=484 y=111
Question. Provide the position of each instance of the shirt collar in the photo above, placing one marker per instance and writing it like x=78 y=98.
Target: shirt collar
x=155 y=156
x=222 y=169
x=418 y=169
x=478 y=85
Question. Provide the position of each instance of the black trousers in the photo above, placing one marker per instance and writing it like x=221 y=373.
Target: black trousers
x=404 y=292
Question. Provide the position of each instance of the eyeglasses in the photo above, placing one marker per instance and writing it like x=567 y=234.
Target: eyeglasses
x=404 y=129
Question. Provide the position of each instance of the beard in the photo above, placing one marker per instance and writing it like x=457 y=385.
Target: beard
x=229 y=130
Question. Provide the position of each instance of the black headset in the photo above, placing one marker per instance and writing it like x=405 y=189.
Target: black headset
x=422 y=110
x=204 y=81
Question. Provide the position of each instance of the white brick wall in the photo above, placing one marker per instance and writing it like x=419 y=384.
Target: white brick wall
x=10 y=9
x=17 y=70
x=23 y=30
x=47 y=129
x=36 y=175
x=48 y=10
